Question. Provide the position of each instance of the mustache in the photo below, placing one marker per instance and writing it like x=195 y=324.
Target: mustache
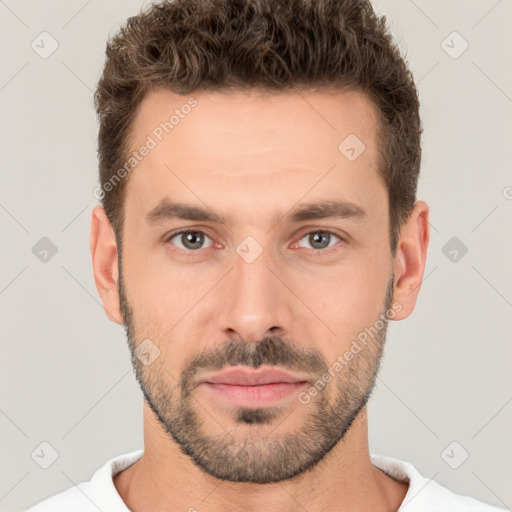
x=271 y=350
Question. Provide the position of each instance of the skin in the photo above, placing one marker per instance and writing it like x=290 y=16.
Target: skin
x=252 y=157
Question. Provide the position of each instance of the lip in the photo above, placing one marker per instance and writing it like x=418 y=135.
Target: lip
x=238 y=376
x=244 y=387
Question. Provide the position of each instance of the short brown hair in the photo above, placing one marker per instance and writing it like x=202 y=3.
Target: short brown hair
x=273 y=45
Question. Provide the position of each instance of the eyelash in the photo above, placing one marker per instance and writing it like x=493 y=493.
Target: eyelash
x=327 y=250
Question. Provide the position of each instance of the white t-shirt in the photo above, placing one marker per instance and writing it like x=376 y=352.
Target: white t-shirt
x=99 y=493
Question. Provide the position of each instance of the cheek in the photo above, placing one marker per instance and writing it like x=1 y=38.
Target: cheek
x=165 y=303
x=353 y=299
x=152 y=284
x=351 y=310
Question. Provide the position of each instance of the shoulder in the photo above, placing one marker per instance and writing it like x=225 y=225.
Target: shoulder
x=98 y=493
x=439 y=498
x=64 y=500
x=425 y=494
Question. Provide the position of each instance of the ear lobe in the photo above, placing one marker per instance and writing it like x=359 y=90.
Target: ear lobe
x=104 y=254
x=410 y=259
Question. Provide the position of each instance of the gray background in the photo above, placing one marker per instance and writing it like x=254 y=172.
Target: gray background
x=66 y=377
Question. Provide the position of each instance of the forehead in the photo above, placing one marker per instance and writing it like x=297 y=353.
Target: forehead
x=255 y=120
x=220 y=143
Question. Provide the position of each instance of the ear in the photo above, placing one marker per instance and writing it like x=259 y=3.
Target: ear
x=105 y=263
x=410 y=259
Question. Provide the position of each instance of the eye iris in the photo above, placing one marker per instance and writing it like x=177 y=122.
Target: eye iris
x=318 y=237
x=195 y=238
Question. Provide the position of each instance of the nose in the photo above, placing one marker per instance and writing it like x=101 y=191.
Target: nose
x=254 y=303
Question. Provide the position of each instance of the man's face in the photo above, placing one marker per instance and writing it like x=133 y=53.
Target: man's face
x=260 y=288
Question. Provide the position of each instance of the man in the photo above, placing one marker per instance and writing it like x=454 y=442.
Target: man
x=259 y=228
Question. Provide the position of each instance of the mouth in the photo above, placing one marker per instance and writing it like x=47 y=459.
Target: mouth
x=245 y=387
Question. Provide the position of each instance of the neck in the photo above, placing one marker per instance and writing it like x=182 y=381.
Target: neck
x=166 y=479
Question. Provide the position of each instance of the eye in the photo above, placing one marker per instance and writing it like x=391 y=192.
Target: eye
x=320 y=240
x=191 y=240
x=194 y=240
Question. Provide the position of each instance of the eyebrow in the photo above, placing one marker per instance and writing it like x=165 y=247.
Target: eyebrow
x=169 y=210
